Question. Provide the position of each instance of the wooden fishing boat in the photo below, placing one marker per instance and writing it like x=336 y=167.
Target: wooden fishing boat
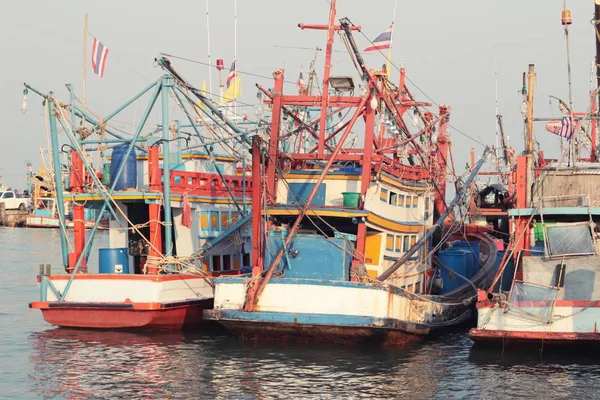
x=546 y=290
x=343 y=234
x=178 y=218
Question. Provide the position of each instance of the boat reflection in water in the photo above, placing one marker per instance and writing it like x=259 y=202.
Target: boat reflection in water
x=78 y=364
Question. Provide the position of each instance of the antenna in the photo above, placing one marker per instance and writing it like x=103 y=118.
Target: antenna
x=497 y=113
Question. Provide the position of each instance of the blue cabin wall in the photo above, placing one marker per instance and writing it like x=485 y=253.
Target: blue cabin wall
x=317 y=257
x=303 y=190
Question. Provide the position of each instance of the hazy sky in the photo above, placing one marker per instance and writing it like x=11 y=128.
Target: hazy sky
x=446 y=46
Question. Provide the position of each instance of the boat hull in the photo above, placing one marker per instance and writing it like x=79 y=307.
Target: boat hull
x=574 y=323
x=528 y=339
x=331 y=311
x=282 y=327
x=124 y=316
x=125 y=301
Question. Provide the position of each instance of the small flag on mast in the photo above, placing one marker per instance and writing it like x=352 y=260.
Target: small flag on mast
x=234 y=84
x=99 y=54
x=383 y=41
x=300 y=81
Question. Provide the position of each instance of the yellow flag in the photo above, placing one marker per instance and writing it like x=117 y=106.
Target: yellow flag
x=234 y=90
x=200 y=104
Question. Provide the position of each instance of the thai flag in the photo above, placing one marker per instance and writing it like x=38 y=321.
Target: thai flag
x=300 y=81
x=383 y=41
x=99 y=54
x=232 y=73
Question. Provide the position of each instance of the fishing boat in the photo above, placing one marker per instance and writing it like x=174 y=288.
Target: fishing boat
x=178 y=215
x=346 y=246
x=44 y=212
x=546 y=291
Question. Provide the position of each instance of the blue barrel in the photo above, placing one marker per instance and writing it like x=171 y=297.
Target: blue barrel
x=507 y=276
x=128 y=178
x=474 y=248
x=113 y=261
x=456 y=260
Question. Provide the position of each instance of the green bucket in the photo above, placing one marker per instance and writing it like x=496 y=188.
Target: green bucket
x=106 y=174
x=351 y=199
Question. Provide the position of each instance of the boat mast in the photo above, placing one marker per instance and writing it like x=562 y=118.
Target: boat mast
x=529 y=131
x=596 y=95
x=566 y=21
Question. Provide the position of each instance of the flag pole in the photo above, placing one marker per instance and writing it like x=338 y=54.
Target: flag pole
x=208 y=41
x=389 y=56
x=237 y=67
x=83 y=87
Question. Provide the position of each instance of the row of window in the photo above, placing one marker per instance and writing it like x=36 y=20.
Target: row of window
x=398 y=200
x=217 y=220
x=400 y=243
x=226 y=262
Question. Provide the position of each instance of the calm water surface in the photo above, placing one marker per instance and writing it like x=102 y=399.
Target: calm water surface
x=40 y=361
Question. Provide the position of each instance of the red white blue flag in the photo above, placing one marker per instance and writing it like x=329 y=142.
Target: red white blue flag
x=383 y=41
x=232 y=73
x=99 y=54
x=300 y=81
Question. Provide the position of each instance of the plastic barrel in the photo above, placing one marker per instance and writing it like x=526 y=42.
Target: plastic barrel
x=128 y=178
x=106 y=174
x=507 y=275
x=456 y=260
x=351 y=199
x=474 y=248
x=113 y=261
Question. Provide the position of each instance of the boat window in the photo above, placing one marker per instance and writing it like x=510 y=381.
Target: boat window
x=406 y=247
x=224 y=219
x=204 y=220
x=569 y=239
x=409 y=288
x=398 y=243
x=389 y=242
x=226 y=262
x=415 y=203
x=214 y=220
x=418 y=287
x=383 y=195
x=413 y=240
x=393 y=197
x=401 y=200
x=216 y=263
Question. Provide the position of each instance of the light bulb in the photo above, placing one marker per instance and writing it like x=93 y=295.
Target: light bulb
x=373 y=103
x=259 y=111
x=524 y=108
x=24 y=106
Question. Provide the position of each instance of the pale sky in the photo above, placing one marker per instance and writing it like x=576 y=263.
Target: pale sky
x=446 y=46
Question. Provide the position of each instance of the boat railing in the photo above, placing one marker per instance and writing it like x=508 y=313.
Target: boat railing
x=201 y=183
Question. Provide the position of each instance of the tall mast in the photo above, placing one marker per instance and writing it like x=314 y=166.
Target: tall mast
x=325 y=96
x=83 y=87
x=208 y=50
x=529 y=133
x=566 y=21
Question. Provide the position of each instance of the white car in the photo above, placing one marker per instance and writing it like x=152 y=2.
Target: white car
x=13 y=201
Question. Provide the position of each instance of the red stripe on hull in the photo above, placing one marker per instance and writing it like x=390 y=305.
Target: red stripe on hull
x=525 y=338
x=173 y=318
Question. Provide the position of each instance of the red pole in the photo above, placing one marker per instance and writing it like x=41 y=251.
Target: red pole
x=257 y=264
x=365 y=182
x=154 y=209
x=325 y=97
x=274 y=140
x=441 y=161
x=77 y=180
